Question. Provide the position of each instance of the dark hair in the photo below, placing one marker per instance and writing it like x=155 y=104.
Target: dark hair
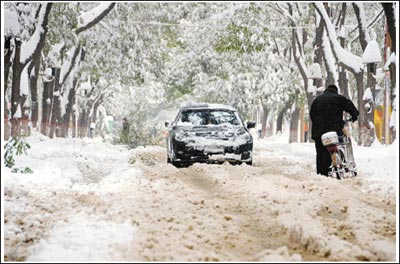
x=333 y=88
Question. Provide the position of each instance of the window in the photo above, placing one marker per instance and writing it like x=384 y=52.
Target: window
x=202 y=117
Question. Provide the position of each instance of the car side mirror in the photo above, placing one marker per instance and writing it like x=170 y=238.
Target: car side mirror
x=251 y=124
x=166 y=124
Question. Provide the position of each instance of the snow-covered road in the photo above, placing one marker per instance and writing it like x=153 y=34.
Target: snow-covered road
x=91 y=201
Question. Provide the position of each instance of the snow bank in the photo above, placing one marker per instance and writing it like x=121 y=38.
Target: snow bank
x=61 y=163
x=57 y=213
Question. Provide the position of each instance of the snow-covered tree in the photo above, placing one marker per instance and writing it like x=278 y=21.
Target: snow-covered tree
x=164 y=54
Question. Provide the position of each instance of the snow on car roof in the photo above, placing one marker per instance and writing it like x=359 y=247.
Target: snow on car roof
x=192 y=105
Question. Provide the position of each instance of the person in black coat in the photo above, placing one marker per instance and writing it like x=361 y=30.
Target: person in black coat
x=326 y=114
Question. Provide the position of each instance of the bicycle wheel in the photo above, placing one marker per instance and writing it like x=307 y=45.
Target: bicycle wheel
x=338 y=164
x=333 y=168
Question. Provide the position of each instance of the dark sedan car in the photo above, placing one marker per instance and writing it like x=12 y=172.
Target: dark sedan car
x=208 y=133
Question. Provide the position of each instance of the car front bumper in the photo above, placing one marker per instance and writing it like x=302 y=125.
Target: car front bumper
x=212 y=153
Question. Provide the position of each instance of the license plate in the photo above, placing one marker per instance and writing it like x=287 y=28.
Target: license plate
x=213 y=149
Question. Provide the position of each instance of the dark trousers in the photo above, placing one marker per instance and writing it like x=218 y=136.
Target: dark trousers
x=323 y=158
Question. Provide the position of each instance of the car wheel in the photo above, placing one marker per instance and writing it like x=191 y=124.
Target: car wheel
x=177 y=164
x=249 y=162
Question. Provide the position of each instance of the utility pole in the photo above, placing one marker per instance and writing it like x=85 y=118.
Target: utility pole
x=302 y=139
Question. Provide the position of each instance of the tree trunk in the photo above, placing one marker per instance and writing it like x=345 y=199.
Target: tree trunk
x=95 y=107
x=264 y=121
x=65 y=119
x=363 y=36
x=6 y=121
x=68 y=110
x=279 y=122
x=270 y=124
x=392 y=96
x=369 y=113
x=391 y=22
x=25 y=130
x=390 y=41
x=56 y=106
x=94 y=114
x=299 y=59
x=7 y=66
x=83 y=123
x=318 y=52
x=7 y=61
x=301 y=128
x=363 y=126
x=15 y=93
x=74 y=128
x=368 y=130
x=343 y=81
x=35 y=66
x=46 y=105
x=294 y=125
x=330 y=70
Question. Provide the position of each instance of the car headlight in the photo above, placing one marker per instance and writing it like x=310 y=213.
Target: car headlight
x=240 y=131
x=179 y=136
x=243 y=135
x=246 y=137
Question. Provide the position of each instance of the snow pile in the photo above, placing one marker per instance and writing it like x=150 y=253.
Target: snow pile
x=83 y=238
x=72 y=164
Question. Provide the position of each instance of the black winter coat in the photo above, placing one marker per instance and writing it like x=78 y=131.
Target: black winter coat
x=326 y=113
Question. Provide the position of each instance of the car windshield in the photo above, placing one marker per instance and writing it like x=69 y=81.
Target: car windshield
x=203 y=117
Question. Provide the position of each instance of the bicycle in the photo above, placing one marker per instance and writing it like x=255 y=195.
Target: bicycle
x=341 y=152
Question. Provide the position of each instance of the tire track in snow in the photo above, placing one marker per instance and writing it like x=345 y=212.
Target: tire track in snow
x=275 y=224
x=246 y=228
